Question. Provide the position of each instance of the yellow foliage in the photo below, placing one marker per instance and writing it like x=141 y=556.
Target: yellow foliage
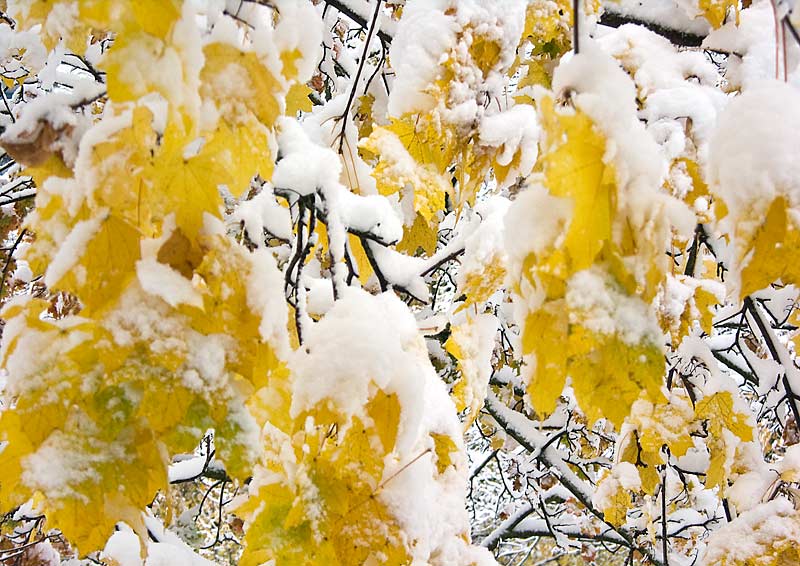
x=616 y=494
x=698 y=306
x=609 y=368
x=112 y=394
x=443 y=447
x=543 y=334
x=574 y=168
x=105 y=266
x=239 y=83
x=716 y=10
x=120 y=166
x=120 y=16
x=405 y=162
x=297 y=99
x=719 y=414
x=609 y=375
x=478 y=286
x=471 y=343
x=656 y=425
x=421 y=235
x=764 y=536
x=343 y=459
x=770 y=253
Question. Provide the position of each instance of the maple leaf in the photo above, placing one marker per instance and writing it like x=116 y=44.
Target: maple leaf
x=614 y=489
x=472 y=344
x=771 y=542
x=104 y=252
x=768 y=255
x=240 y=84
x=715 y=11
x=723 y=422
x=696 y=299
x=408 y=165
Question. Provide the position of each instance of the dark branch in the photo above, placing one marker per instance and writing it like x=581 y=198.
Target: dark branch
x=342 y=7
x=676 y=36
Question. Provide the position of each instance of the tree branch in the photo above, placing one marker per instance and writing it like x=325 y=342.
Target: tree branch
x=676 y=36
x=512 y=423
x=357 y=18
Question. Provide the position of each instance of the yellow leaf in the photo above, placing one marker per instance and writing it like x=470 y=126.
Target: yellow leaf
x=187 y=185
x=478 y=286
x=385 y=413
x=420 y=236
x=399 y=169
x=718 y=413
x=574 y=168
x=104 y=266
x=297 y=99
x=770 y=253
x=120 y=165
x=700 y=298
x=239 y=83
x=443 y=448
x=716 y=10
x=471 y=343
x=609 y=375
x=543 y=335
x=613 y=495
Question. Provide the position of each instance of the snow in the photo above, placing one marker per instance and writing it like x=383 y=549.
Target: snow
x=751 y=45
x=699 y=104
x=676 y=14
x=28 y=354
x=535 y=222
x=386 y=352
x=476 y=340
x=384 y=347
x=597 y=303
x=365 y=10
x=749 y=489
x=72 y=250
x=516 y=131
x=62 y=19
x=263 y=212
x=87 y=174
x=184 y=470
x=654 y=62
x=320 y=295
x=49 y=123
x=162 y=281
x=752 y=163
x=624 y=476
x=601 y=89
x=21 y=52
x=167 y=549
x=306 y=168
x=425 y=33
x=437 y=34
x=371 y=214
x=401 y=270
x=768 y=527
x=358 y=344
x=752 y=158
x=484 y=239
x=303 y=166
x=265 y=298
x=124 y=548
x=64 y=463
x=299 y=28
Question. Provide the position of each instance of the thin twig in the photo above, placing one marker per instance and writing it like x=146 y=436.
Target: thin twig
x=358 y=72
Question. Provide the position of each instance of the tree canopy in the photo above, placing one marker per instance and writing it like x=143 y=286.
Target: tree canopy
x=399 y=282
